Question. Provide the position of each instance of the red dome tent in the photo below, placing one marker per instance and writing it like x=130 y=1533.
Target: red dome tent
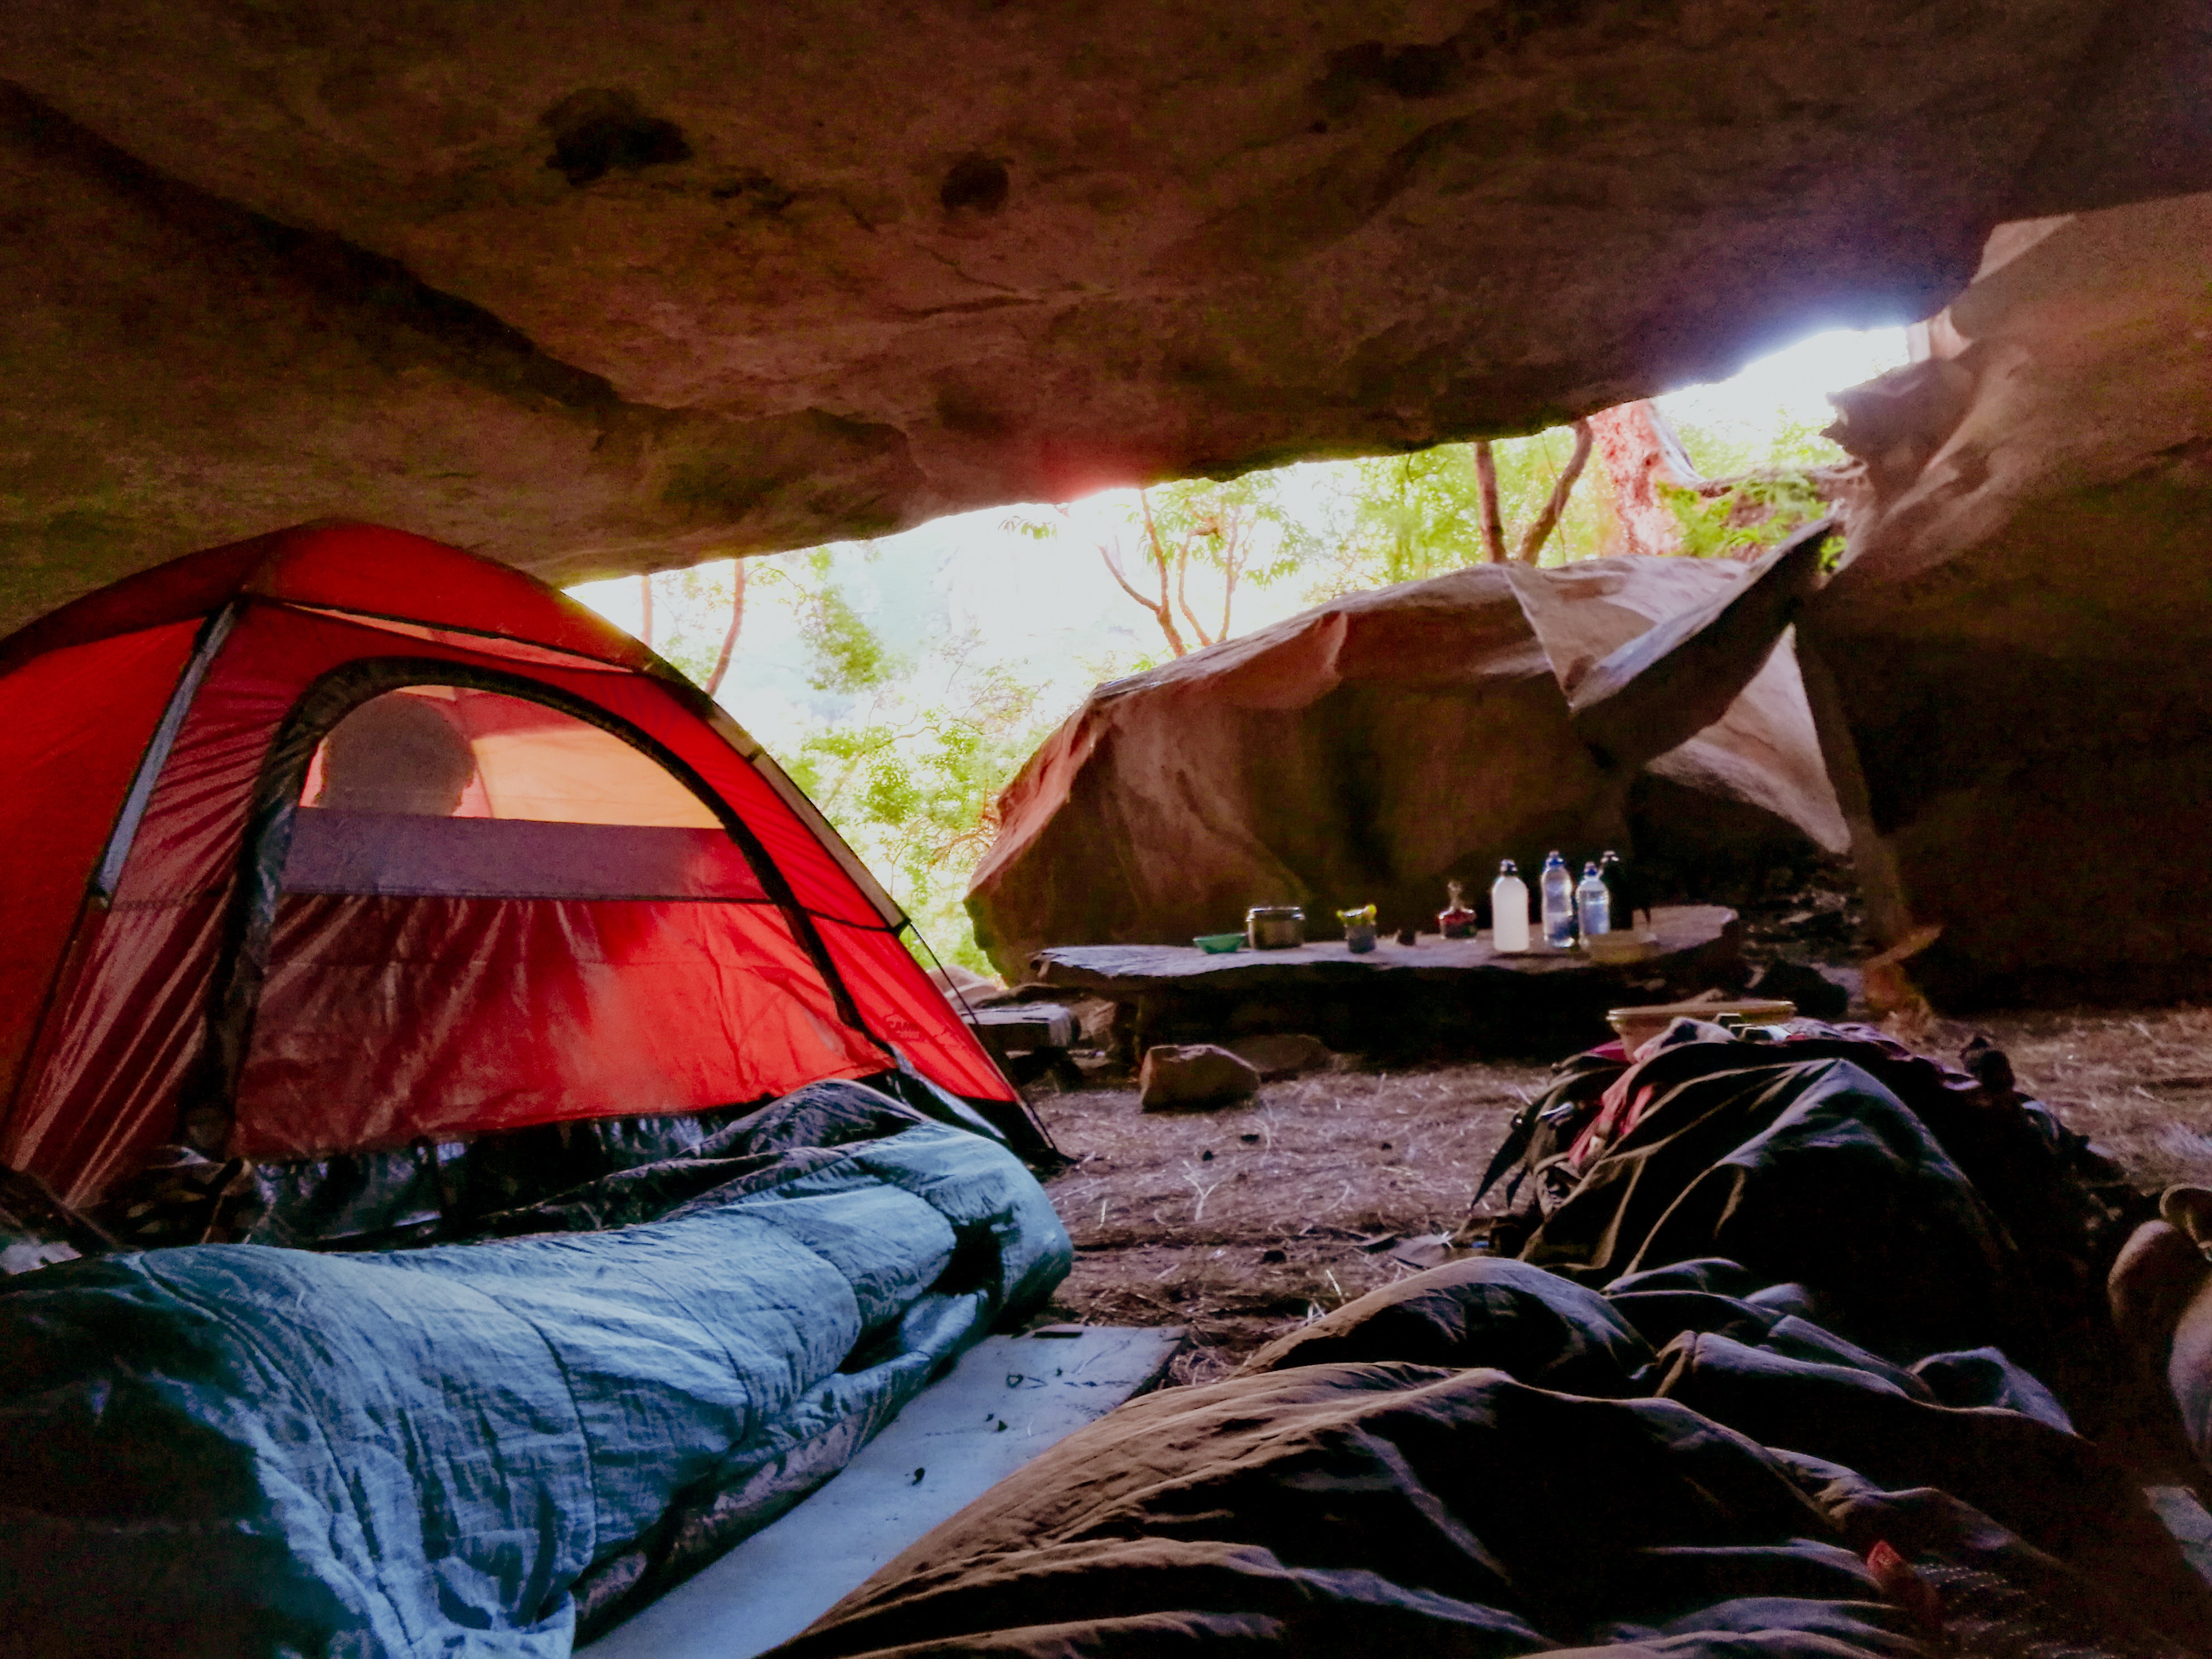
x=340 y=840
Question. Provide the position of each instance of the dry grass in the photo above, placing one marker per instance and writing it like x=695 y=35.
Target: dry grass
x=1312 y=1189
x=2137 y=1084
x=1245 y=1223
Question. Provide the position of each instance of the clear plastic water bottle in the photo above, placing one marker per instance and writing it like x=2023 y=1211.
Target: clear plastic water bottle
x=1558 y=903
x=1593 y=904
x=1508 y=909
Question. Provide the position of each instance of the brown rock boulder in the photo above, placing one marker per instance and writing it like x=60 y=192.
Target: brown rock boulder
x=2015 y=665
x=1370 y=750
x=1194 y=1074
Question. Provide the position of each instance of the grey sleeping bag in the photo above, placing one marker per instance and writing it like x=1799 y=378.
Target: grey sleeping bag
x=241 y=1450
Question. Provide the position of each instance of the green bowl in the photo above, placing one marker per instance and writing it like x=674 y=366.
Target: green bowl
x=1219 y=944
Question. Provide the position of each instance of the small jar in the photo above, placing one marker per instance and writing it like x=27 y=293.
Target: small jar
x=1455 y=921
x=1274 y=926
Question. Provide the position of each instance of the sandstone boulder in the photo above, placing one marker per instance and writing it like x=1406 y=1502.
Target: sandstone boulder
x=1373 y=748
x=2013 y=671
x=1192 y=1074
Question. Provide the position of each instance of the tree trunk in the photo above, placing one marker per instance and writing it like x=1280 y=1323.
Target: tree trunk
x=1486 y=486
x=1164 y=611
x=645 y=610
x=1640 y=453
x=737 y=620
x=1548 y=521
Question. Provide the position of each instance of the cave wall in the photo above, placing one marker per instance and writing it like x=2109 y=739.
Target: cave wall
x=598 y=287
x=2013 y=670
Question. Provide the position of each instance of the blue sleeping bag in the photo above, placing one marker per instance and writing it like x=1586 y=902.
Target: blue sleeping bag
x=242 y=1450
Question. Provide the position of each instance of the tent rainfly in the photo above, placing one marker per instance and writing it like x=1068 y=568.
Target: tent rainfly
x=342 y=840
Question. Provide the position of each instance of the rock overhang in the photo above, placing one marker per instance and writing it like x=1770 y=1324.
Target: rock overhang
x=595 y=287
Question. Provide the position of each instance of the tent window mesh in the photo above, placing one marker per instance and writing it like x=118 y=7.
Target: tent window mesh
x=448 y=751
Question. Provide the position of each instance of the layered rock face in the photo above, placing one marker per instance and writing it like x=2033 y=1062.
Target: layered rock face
x=595 y=285
x=2013 y=671
x=1373 y=749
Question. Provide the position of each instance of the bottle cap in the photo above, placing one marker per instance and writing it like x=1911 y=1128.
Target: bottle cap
x=1590 y=869
x=1507 y=867
x=1553 y=859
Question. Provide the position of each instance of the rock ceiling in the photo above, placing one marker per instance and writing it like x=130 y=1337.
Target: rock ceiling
x=596 y=285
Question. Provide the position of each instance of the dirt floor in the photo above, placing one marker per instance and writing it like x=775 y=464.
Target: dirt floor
x=1243 y=1224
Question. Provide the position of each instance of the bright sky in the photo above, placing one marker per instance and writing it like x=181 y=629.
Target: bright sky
x=1792 y=385
x=1051 y=613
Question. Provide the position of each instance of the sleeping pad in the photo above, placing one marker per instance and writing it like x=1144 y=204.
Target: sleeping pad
x=1755 y=1402
x=243 y=1450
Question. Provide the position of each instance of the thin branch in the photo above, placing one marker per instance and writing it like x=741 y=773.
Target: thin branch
x=1113 y=565
x=1182 y=592
x=737 y=620
x=1548 y=521
x=1485 y=484
x=1162 y=612
x=645 y=611
x=1236 y=547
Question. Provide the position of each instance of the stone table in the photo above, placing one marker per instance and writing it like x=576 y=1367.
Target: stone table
x=1437 y=997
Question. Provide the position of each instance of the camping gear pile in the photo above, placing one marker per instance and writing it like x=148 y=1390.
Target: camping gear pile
x=375 y=901
x=1815 y=1363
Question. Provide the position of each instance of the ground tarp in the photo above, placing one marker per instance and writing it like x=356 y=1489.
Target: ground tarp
x=242 y=1450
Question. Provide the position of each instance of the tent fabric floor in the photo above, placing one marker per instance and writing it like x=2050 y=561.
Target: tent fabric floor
x=1245 y=1223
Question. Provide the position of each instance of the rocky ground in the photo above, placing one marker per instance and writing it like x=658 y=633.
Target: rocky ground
x=1242 y=1223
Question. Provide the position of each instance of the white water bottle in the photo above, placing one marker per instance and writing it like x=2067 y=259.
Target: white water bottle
x=1508 y=909
x=1593 y=904
x=1558 y=903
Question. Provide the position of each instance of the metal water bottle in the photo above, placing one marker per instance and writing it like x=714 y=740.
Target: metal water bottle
x=1558 y=903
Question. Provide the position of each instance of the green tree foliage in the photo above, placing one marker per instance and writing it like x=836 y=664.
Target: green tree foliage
x=912 y=780
x=1767 y=490
x=1783 y=441
x=1750 y=516
x=909 y=771
x=1405 y=517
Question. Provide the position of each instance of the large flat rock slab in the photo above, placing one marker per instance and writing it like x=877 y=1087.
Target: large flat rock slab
x=1452 y=996
x=1116 y=971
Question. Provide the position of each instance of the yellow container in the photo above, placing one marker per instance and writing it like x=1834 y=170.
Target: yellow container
x=1637 y=1026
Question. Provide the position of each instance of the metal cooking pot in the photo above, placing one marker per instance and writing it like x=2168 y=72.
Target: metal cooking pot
x=1274 y=926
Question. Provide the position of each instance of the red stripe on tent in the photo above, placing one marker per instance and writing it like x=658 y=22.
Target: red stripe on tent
x=76 y=724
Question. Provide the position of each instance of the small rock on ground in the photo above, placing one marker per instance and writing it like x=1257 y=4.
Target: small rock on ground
x=1196 y=1074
